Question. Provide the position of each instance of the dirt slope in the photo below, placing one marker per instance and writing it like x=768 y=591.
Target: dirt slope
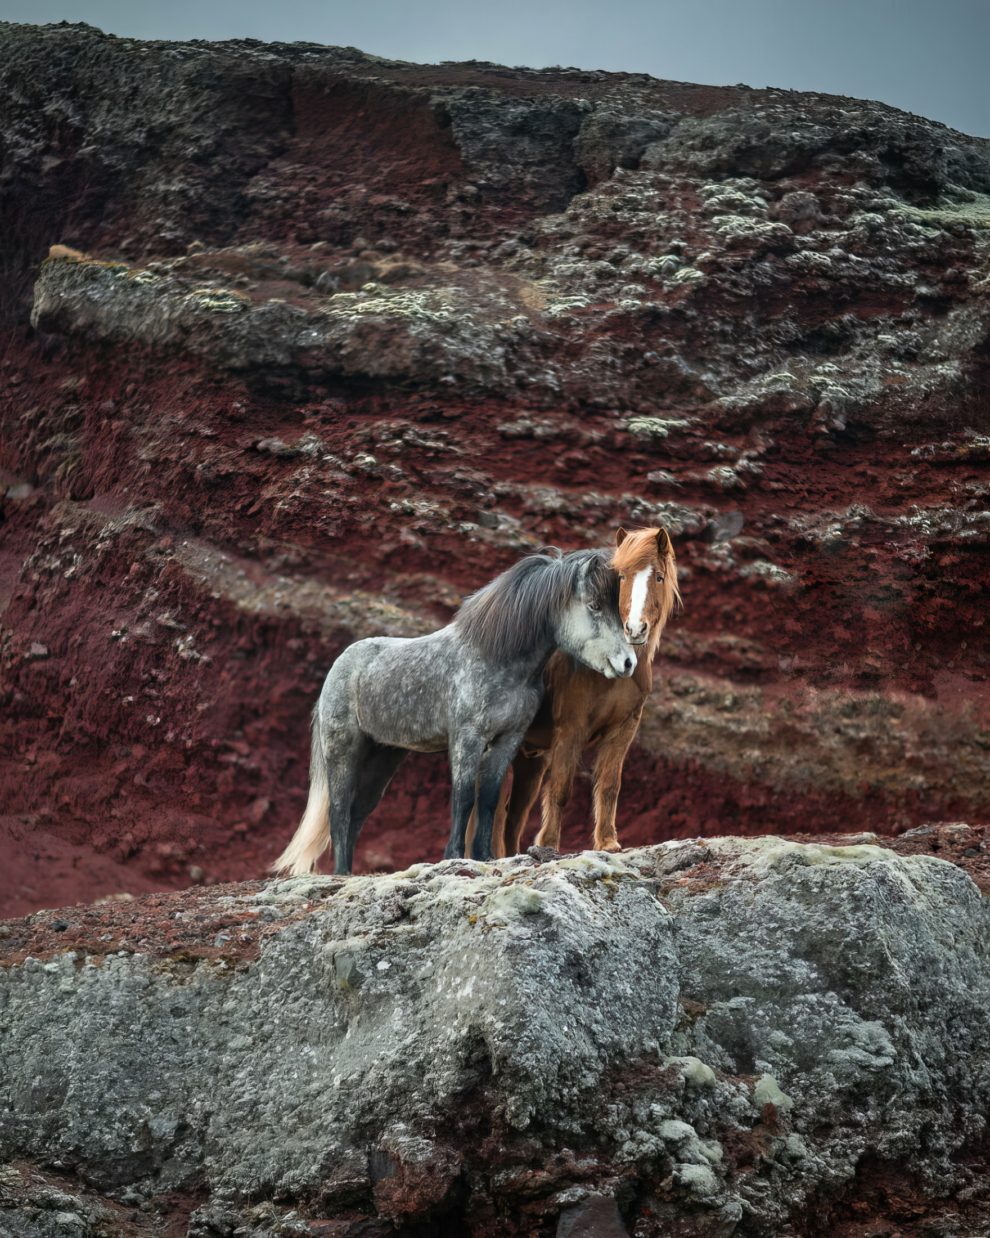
x=343 y=337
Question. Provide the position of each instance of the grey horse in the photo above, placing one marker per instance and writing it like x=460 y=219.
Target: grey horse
x=472 y=689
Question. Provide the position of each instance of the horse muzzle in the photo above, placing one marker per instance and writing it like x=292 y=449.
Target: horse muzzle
x=622 y=666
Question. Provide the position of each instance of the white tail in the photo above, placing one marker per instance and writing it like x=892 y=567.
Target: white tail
x=312 y=836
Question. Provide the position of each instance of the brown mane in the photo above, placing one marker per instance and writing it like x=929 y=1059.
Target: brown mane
x=641 y=548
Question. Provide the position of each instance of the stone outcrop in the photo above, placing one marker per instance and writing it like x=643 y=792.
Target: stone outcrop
x=712 y=1037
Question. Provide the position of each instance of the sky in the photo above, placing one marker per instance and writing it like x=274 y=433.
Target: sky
x=926 y=56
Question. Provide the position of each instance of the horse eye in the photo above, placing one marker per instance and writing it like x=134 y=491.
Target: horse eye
x=659 y=577
x=594 y=608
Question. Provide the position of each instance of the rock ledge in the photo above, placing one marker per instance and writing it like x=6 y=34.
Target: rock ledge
x=700 y=1037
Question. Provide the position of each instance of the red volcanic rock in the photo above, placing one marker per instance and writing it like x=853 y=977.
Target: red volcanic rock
x=325 y=341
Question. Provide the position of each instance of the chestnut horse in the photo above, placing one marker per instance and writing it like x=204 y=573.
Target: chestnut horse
x=581 y=708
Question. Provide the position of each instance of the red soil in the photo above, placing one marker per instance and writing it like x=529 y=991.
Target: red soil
x=156 y=676
x=124 y=767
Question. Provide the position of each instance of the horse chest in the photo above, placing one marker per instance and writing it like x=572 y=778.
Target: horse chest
x=614 y=710
x=604 y=710
x=507 y=707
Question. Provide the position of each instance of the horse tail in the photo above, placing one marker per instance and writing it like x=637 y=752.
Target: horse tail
x=312 y=836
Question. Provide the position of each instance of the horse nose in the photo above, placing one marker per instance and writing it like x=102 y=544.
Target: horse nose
x=628 y=664
x=636 y=635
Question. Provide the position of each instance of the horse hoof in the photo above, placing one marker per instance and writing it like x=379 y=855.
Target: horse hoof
x=612 y=846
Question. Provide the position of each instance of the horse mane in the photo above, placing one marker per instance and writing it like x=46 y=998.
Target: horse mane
x=640 y=549
x=518 y=610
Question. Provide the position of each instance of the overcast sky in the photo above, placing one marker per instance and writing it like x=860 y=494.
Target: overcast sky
x=927 y=56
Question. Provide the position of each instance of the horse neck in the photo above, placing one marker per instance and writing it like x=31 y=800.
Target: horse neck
x=533 y=663
x=643 y=674
x=653 y=644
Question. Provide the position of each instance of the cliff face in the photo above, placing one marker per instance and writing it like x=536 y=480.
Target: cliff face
x=343 y=337
x=701 y=1039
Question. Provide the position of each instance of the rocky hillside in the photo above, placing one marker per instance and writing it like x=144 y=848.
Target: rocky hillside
x=702 y=1039
x=327 y=340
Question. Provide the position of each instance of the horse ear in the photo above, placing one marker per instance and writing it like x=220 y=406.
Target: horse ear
x=620 y=535
x=664 y=547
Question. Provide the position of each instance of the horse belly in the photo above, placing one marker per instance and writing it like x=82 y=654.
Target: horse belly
x=402 y=707
x=419 y=732
x=539 y=734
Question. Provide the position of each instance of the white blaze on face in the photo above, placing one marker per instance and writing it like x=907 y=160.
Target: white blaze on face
x=638 y=600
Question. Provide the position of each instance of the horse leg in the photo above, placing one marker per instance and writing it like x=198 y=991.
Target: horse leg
x=498 y=827
x=342 y=778
x=466 y=752
x=373 y=777
x=494 y=767
x=608 y=779
x=472 y=824
x=527 y=778
x=563 y=762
